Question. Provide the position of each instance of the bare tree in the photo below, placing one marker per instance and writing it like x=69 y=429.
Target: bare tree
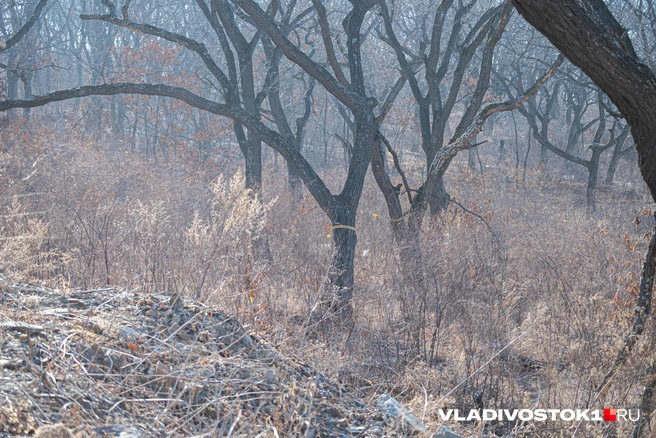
x=436 y=109
x=590 y=36
x=341 y=208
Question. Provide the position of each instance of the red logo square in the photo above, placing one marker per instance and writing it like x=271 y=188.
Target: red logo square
x=610 y=415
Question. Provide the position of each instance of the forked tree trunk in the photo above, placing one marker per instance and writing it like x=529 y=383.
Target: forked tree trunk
x=407 y=242
x=343 y=216
x=439 y=199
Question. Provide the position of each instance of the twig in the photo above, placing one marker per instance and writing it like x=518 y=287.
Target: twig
x=143 y=400
x=363 y=431
x=484 y=365
x=474 y=214
x=33 y=401
x=397 y=164
x=232 y=428
x=91 y=291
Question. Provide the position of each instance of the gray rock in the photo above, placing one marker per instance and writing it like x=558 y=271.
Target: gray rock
x=22 y=327
x=128 y=334
x=395 y=412
x=119 y=431
x=444 y=432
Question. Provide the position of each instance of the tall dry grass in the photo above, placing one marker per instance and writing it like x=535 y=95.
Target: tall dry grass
x=526 y=302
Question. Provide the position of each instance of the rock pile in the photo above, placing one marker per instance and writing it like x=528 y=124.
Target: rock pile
x=111 y=363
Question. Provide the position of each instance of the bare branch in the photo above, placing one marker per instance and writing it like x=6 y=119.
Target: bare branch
x=177 y=38
x=297 y=56
x=300 y=165
x=397 y=165
x=465 y=141
x=5 y=45
x=328 y=42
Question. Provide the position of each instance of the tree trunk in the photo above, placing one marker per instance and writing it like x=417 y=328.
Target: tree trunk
x=342 y=269
x=343 y=214
x=588 y=34
x=471 y=159
x=27 y=91
x=12 y=79
x=253 y=176
x=438 y=198
x=618 y=153
x=295 y=185
x=408 y=243
x=593 y=176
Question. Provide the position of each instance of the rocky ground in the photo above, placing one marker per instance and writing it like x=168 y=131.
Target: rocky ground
x=111 y=363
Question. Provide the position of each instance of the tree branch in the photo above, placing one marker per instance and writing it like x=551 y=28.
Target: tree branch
x=328 y=43
x=465 y=141
x=397 y=165
x=292 y=52
x=300 y=165
x=5 y=45
x=177 y=38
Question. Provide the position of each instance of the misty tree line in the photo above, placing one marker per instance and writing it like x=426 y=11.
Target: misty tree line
x=300 y=75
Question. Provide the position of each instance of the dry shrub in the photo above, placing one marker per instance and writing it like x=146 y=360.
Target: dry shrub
x=529 y=312
x=26 y=247
x=526 y=303
x=23 y=249
x=222 y=245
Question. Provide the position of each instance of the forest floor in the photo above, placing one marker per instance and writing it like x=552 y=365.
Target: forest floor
x=528 y=297
x=108 y=362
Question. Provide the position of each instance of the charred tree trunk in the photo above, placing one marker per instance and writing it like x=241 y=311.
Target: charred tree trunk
x=342 y=270
x=593 y=176
x=438 y=198
x=343 y=216
x=618 y=153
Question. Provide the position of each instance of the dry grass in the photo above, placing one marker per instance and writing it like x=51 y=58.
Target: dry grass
x=93 y=361
x=528 y=307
